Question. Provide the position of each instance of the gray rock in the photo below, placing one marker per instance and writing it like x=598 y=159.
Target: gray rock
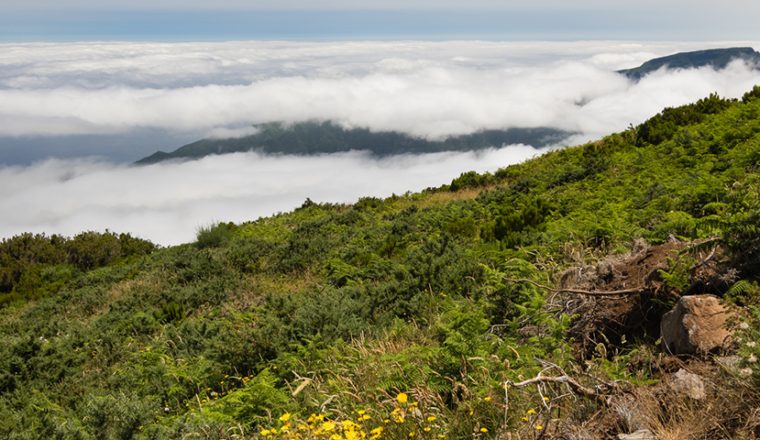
x=730 y=362
x=688 y=384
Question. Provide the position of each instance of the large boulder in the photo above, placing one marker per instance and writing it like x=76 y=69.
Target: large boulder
x=694 y=325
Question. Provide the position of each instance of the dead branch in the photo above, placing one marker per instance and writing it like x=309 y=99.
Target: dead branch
x=565 y=379
x=705 y=261
x=582 y=292
x=578 y=388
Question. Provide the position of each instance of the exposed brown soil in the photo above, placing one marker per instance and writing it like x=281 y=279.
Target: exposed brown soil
x=605 y=319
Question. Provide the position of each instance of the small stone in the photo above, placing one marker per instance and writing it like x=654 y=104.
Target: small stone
x=729 y=362
x=641 y=434
x=688 y=384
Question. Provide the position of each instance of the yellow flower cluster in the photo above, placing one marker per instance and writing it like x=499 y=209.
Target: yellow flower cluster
x=316 y=427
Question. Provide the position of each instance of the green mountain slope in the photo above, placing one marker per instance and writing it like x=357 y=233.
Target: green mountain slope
x=718 y=58
x=408 y=316
x=315 y=138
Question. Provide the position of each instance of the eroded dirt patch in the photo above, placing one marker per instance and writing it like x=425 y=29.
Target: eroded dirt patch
x=604 y=317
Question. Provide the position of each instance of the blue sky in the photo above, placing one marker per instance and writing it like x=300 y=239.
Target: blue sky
x=224 y=20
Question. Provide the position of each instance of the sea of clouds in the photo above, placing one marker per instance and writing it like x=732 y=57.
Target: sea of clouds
x=427 y=89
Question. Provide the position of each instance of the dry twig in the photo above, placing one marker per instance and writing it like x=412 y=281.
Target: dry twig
x=582 y=292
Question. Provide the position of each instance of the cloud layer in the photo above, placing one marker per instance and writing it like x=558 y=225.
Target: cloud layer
x=167 y=202
x=423 y=88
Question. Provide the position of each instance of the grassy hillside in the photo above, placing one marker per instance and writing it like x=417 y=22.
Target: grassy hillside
x=412 y=316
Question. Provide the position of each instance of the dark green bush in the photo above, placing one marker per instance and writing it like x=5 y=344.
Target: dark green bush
x=212 y=236
x=664 y=125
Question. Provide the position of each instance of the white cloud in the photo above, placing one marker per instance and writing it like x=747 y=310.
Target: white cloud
x=229 y=133
x=426 y=89
x=167 y=202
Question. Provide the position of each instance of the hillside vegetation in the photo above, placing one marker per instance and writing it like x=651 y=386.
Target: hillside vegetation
x=414 y=316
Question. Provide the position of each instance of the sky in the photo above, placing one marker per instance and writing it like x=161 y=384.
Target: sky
x=88 y=87
x=320 y=20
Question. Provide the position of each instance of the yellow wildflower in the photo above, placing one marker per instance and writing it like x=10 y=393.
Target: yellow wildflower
x=484 y=430
x=531 y=412
x=351 y=435
x=402 y=398
x=487 y=399
x=431 y=419
x=427 y=429
x=539 y=427
x=441 y=436
x=411 y=434
x=328 y=426
x=386 y=421
x=377 y=430
x=265 y=432
x=361 y=412
x=285 y=417
x=524 y=419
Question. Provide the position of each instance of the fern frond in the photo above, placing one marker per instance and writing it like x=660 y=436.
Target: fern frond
x=739 y=288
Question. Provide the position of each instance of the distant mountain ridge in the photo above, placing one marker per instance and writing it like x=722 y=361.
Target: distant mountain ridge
x=718 y=58
x=307 y=138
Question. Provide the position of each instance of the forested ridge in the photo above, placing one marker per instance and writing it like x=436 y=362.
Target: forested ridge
x=490 y=307
x=313 y=137
x=715 y=58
